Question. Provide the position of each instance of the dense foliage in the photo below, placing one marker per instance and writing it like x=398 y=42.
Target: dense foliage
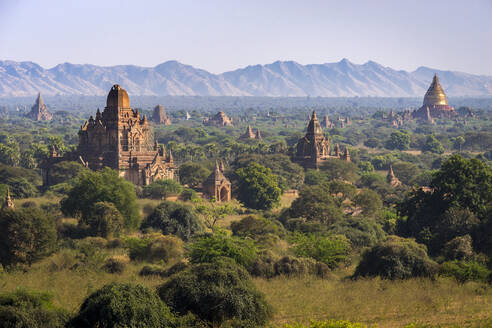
x=258 y=187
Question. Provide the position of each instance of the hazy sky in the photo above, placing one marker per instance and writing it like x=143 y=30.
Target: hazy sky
x=224 y=35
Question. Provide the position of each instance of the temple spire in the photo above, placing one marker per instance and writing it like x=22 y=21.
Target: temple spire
x=314 y=128
x=8 y=203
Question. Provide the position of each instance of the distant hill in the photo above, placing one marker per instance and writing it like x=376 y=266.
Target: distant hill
x=279 y=79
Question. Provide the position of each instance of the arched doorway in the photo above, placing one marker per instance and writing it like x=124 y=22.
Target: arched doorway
x=224 y=194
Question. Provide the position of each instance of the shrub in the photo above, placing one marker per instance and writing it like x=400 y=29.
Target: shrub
x=266 y=267
x=361 y=232
x=155 y=270
x=26 y=309
x=254 y=227
x=161 y=189
x=123 y=305
x=155 y=248
x=330 y=250
x=464 y=271
x=193 y=174
x=208 y=248
x=217 y=292
x=173 y=218
x=369 y=201
x=27 y=235
x=188 y=194
x=459 y=248
x=104 y=221
x=64 y=171
x=114 y=265
x=396 y=258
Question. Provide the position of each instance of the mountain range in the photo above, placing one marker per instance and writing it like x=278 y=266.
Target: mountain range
x=279 y=79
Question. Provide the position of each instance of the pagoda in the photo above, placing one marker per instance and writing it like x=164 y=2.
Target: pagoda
x=314 y=147
x=435 y=104
x=159 y=116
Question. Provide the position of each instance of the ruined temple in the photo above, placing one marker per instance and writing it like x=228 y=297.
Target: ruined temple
x=327 y=124
x=159 y=116
x=219 y=119
x=435 y=104
x=391 y=178
x=39 y=111
x=119 y=138
x=217 y=186
x=258 y=134
x=248 y=134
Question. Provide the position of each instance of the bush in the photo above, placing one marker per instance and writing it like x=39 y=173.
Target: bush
x=155 y=248
x=123 y=305
x=254 y=227
x=193 y=174
x=459 y=248
x=188 y=194
x=155 y=270
x=330 y=250
x=27 y=235
x=25 y=309
x=361 y=232
x=217 y=292
x=208 y=248
x=114 y=265
x=369 y=201
x=266 y=267
x=174 y=218
x=64 y=171
x=161 y=189
x=396 y=258
x=105 y=220
x=464 y=271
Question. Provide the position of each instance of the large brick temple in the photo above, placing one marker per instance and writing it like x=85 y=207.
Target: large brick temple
x=121 y=139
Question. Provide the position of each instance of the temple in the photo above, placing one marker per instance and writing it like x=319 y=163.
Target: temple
x=39 y=111
x=435 y=104
x=8 y=203
x=218 y=120
x=391 y=178
x=314 y=147
x=217 y=186
x=121 y=139
x=159 y=116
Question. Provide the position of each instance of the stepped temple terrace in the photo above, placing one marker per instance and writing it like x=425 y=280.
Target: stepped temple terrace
x=435 y=104
x=121 y=139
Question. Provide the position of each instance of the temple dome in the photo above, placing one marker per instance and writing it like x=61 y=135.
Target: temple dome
x=118 y=97
x=435 y=94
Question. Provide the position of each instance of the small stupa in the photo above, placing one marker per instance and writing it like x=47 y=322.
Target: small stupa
x=391 y=178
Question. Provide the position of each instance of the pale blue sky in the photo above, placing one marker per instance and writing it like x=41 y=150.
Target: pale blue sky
x=221 y=35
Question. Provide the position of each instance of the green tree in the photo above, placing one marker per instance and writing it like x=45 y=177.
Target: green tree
x=102 y=186
x=105 y=220
x=27 y=235
x=210 y=247
x=161 y=189
x=336 y=169
x=369 y=201
x=315 y=203
x=458 y=142
x=330 y=250
x=9 y=154
x=433 y=145
x=64 y=171
x=174 y=218
x=220 y=292
x=193 y=174
x=399 y=140
x=124 y=305
x=258 y=187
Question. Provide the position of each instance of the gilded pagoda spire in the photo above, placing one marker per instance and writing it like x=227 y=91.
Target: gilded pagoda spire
x=435 y=94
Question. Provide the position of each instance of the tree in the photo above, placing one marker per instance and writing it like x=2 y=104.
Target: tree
x=174 y=218
x=336 y=169
x=405 y=171
x=396 y=258
x=192 y=174
x=330 y=250
x=124 y=305
x=210 y=247
x=458 y=142
x=64 y=171
x=315 y=204
x=369 y=201
x=9 y=154
x=105 y=220
x=27 y=309
x=218 y=292
x=258 y=187
x=102 y=186
x=399 y=140
x=433 y=145
x=27 y=235
x=161 y=189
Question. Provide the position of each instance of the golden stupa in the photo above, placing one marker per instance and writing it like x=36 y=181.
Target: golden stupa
x=435 y=94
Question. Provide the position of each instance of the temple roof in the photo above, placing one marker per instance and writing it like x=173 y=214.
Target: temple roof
x=435 y=94
x=314 y=128
x=118 y=97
